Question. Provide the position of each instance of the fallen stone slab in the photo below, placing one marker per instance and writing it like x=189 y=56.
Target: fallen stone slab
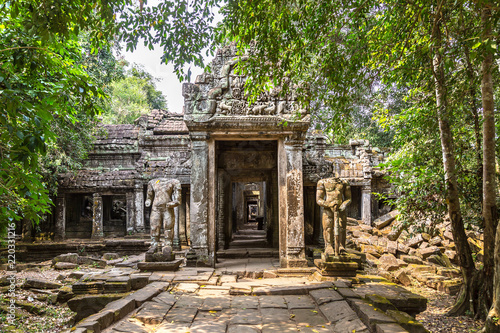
x=147 y=293
x=403 y=278
x=347 y=325
x=67 y=257
x=64 y=265
x=88 y=287
x=160 y=266
x=139 y=280
x=370 y=315
x=451 y=287
x=428 y=251
x=85 y=306
x=401 y=298
x=40 y=284
x=87 y=326
x=338 y=311
x=347 y=293
x=103 y=318
x=406 y=321
x=380 y=302
x=385 y=220
x=411 y=259
x=120 y=308
x=131 y=261
x=110 y=256
x=94 y=262
x=322 y=296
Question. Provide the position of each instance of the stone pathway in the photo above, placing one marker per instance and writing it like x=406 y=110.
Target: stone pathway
x=190 y=308
x=210 y=301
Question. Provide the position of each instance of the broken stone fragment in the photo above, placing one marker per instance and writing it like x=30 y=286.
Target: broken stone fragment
x=65 y=265
x=40 y=284
x=67 y=257
x=385 y=220
x=110 y=256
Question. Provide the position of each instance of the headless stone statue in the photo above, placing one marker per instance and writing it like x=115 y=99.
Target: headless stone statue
x=334 y=195
x=165 y=195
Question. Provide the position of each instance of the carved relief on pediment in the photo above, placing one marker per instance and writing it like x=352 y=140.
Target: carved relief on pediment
x=222 y=93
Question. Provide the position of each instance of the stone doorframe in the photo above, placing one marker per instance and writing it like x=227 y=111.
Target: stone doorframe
x=203 y=202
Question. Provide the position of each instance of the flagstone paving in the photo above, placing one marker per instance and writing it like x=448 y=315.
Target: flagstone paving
x=210 y=301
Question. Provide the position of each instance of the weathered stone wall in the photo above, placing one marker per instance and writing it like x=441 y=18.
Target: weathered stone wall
x=216 y=148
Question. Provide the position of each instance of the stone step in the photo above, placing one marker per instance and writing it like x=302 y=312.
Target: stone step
x=251 y=232
x=237 y=253
x=244 y=243
x=249 y=236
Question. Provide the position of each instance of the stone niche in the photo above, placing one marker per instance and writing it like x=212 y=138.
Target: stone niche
x=234 y=142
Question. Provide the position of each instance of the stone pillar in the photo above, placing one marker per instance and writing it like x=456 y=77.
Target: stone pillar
x=130 y=212
x=295 y=244
x=176 y=243
x=199 y=196
x=366 y=205
x=60 y=232
x=139 y=207
x=182 y=220
x=188 y=218
x=97 y=228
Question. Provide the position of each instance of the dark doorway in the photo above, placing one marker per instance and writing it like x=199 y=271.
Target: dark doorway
x=247 y=194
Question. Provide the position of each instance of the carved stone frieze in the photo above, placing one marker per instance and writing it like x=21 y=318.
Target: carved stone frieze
x=221 y=94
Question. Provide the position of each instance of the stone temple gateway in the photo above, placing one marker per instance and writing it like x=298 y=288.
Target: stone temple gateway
x=236 y=163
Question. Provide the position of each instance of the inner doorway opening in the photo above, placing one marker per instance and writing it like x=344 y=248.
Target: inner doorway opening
x=247 y=197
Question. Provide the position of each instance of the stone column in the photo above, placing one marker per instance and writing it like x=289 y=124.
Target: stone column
x=139 y=207
x=97 y=228
x=176 y=243
x=60 y=232
x=188 y=217
x=130 y=212
x=366 y=205
x=295 y=244
x=199 y=196
x=182 y=220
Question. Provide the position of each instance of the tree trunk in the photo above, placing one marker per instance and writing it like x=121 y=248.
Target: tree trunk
x=463 y=250
x=490 y=219
x=477 y=126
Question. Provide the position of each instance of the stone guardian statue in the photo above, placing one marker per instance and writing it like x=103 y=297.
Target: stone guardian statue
x=334 y=195
x=165 y=195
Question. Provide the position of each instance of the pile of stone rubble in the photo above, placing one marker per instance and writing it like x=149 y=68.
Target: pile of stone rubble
x=405 y=257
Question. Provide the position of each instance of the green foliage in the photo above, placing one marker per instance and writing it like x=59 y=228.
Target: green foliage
x=41 y=86
x=367 y=68
x=131 y=96
x=52 y=83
